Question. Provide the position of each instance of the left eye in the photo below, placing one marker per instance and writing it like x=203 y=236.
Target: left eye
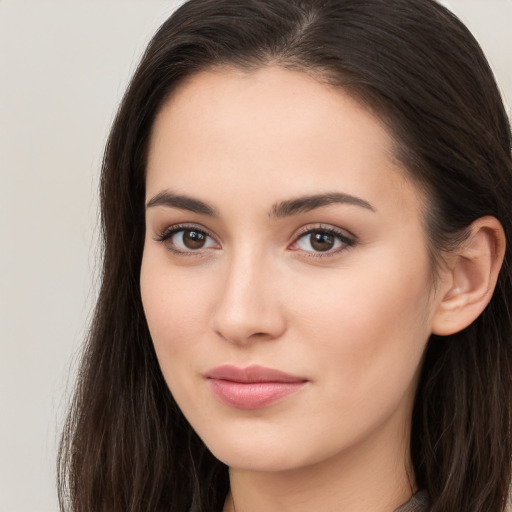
x=322 y=241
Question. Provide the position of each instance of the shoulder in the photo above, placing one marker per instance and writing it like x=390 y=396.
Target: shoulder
x=419 y=502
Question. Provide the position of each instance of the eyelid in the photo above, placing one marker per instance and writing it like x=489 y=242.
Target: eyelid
x=343 y=233
x=346 y=237
x=165 y=234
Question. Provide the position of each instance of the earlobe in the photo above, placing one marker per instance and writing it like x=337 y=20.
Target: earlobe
x=471 y=277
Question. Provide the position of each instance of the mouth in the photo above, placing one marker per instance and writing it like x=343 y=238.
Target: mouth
x=253 y=387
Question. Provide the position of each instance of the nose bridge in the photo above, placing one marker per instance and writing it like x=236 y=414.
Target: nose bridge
x=248 y=303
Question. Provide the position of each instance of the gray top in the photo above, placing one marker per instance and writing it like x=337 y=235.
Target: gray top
x=418 y=503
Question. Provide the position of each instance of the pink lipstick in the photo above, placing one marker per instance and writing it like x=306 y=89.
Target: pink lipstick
x=252 y=387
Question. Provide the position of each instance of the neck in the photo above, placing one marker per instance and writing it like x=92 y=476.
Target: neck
x=370 y=476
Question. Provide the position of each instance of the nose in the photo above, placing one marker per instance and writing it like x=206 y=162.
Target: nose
x=248 y=306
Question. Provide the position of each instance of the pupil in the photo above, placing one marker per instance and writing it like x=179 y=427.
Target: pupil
x=322 y=241
x=193 y=239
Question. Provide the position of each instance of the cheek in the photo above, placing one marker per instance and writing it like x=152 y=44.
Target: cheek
x=176 y=321
x=370 y=328
x=173 y=312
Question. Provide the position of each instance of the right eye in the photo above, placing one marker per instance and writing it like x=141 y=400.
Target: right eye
x=184 y=240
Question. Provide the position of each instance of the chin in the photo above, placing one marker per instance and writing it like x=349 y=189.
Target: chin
x=254 y=459
x=264 y=451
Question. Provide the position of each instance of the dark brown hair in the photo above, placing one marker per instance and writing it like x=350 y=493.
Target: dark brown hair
x=126 y=446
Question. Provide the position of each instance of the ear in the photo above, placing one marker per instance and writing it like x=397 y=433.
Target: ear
x=470 y=278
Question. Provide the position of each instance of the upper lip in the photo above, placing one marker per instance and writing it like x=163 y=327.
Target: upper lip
x=251 y=374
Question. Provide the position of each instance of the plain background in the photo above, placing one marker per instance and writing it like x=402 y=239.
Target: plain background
x=63 y=68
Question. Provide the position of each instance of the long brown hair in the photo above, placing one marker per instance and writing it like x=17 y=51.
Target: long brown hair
x=126 y=446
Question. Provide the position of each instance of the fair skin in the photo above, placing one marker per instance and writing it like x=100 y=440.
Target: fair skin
x=337 y=293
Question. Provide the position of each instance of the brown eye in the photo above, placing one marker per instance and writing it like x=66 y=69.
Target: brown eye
x=321 y=241
x=193 y=239
x=184 y=240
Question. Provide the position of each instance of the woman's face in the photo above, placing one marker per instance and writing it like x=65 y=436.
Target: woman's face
x=285 y=277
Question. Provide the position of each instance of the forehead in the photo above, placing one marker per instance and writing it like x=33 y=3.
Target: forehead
x=269 y=130
x=294 y=103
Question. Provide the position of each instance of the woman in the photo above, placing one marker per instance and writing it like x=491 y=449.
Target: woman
x=305 y=210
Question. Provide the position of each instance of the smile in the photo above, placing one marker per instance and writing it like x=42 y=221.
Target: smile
x=253 y=387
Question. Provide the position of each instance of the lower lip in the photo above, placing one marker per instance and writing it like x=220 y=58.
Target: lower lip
x=252 y=395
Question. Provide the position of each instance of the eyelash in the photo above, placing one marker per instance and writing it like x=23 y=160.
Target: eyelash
x=346 y=241
x=167 y=233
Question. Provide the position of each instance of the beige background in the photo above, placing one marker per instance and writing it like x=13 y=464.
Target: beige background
x=63 y=68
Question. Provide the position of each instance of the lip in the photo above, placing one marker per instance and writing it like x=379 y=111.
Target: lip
x=253 y=387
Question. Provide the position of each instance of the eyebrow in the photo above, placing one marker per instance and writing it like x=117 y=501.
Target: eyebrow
x=166 y=198
x=308 y=203
x=286 y=208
